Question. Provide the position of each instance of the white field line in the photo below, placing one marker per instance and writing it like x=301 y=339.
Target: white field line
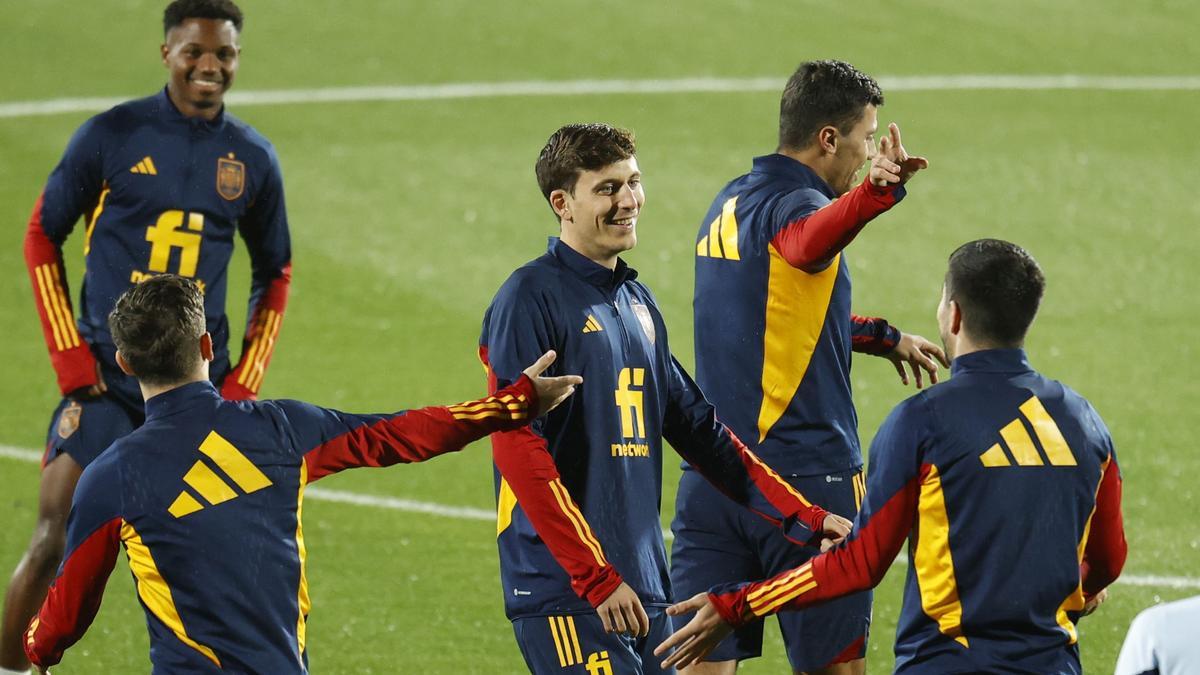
x=687 y=85
x=470 y=513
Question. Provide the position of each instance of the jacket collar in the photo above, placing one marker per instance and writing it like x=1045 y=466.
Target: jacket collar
x=792 y=170
x=992 y=361
x=181 y=398
x=168 y=107
x=592 y=272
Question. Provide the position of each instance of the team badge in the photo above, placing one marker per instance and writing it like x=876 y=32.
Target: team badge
x=231 y=177
x=643 y=316
x=68 y=421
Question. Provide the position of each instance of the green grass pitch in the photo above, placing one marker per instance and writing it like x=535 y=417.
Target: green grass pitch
x=407 y=216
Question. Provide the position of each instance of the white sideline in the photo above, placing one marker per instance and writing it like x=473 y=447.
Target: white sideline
x=686 y=85
x=470 y=513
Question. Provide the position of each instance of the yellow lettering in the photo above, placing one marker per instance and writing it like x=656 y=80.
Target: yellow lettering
x=629 y=402
x=165 y=235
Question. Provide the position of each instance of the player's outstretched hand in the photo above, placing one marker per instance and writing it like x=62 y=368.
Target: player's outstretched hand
x=698 y=638
x=833 y=530
x=622 y=612
x=919 y=354
x=1094 y=602
x=550 y=390
x=91 y=391
x=892 y=164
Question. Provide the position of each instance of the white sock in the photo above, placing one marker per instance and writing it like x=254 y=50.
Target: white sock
x=6 y=671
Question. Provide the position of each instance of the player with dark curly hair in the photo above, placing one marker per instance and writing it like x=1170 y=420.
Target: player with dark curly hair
x=162 y=184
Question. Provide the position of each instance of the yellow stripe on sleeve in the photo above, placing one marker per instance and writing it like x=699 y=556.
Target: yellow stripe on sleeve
x=245 y=374
x=302 y=598
x=577 y=520
x=777 y=478
x=40 y=272
x=70 y=335
x=260 y=366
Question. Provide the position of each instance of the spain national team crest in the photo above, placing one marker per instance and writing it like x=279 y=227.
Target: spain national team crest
x=231 y=177
x=642 y=313
x=68 y=421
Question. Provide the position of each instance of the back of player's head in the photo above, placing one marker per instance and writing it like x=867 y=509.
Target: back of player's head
x=157 y=326
x=820 y=94
x=181 y=10
x=998 y=287
x=576 y=148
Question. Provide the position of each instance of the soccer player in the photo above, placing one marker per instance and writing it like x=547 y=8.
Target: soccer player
x=163 y=184
x=774 y=334
x=582 y=560
x=206 y=495
x=1004 y=481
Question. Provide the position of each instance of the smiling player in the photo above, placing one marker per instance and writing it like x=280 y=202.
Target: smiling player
x=582 y=558
x=163 y=184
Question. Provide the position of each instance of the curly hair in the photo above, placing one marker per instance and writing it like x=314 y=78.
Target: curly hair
x=180 y=10
x=157 y=326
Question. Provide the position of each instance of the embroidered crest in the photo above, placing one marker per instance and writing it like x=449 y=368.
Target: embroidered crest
x=68 y=421
x=643 y=316
x=231 y=177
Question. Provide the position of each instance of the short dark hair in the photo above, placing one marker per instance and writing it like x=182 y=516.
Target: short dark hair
x=823 y=93
x=580 y=147
x=157 y=326
x=998 y=287
x=181 y=10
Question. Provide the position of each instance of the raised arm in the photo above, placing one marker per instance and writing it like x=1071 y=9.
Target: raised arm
x=93 y=540
x=809 y=237
x=75 y=188
x=265 y=231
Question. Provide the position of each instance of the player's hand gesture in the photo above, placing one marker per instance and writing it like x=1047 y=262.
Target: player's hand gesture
x=622 y=612
x=892 y=164
x=91 y=391
x=919 y=354
x=551 y=390
x=833 y=530
x=698 y=638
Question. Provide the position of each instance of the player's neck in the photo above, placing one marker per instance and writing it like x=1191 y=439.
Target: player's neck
x=149 y=391
x=965 y=344
x=582 y=249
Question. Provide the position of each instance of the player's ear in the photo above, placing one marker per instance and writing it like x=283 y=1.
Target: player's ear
x=955 y=318
x=558 y=202
x=206 y=347
x=827 y=138
x=163 y=50
x=124 y=365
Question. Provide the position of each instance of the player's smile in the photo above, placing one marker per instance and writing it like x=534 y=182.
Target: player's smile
x=202 y=55
x=600 y=216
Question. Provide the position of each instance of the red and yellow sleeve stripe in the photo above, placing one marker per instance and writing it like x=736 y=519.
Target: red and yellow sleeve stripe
x=55 y=306
x=582 y=529
x=261 y=347
x=773 y=594
x=506 y=406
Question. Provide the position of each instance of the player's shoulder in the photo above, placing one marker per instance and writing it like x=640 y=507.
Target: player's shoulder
x=247 y=133
x=123 y=119
x=535 y=282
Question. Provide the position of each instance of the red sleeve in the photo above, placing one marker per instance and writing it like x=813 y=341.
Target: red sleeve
x=244 y=381
x=855 y=565
x=811 y=241
x=74 y=597
x=1104 y=554
x=417 y=435
x=69 y=354
x=523 y=459
x=872 y=335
